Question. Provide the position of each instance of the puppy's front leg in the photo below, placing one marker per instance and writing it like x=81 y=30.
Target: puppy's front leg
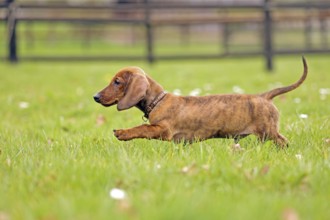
x=143 y=131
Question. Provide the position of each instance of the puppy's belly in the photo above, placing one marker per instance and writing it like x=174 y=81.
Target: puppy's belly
x=203 y=134
x=202 y=129
x=191 y=136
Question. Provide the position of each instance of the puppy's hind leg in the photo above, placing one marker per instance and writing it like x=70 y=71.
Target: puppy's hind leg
x=280 y=140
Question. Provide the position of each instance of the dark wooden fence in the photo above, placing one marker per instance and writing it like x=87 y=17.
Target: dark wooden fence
x=142 y=13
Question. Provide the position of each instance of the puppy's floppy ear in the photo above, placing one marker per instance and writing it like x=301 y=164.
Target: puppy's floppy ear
x=135 y=91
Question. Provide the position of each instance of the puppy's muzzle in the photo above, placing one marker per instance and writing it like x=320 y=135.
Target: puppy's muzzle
x=97 y=98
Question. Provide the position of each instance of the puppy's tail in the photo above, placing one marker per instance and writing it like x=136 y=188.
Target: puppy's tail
x=278 y=91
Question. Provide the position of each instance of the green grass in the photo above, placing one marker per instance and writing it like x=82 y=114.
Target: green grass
x=57 y=162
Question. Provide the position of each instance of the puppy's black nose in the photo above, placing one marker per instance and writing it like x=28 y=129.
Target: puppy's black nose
x=97 y=97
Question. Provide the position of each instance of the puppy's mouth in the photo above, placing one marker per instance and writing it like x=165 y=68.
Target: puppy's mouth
x=109 y=104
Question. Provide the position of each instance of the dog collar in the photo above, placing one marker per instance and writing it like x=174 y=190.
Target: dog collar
x=153 y=104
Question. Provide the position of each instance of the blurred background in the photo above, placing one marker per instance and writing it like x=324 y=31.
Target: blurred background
x=161 y=29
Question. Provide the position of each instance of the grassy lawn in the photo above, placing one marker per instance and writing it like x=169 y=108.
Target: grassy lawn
x=60 y=160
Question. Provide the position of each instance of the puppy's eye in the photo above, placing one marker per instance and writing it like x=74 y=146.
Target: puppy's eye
x=117 y=82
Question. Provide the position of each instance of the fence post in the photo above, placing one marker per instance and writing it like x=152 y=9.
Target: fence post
x=11 y=27
x=268 y=47
x=148 y=26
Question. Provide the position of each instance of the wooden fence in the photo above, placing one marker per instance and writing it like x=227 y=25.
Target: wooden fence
x=150 y=15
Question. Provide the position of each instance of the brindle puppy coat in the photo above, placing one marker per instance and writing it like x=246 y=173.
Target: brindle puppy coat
x=188 y=118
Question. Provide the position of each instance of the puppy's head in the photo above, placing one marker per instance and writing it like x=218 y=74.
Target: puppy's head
x=126 y=89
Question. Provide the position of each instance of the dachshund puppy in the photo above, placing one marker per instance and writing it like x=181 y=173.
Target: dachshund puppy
x=190 y=118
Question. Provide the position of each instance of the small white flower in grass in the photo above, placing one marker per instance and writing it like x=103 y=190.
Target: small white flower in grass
x=195 y=92
x=298 y=156
x=238 y=90
x=8 y=161
x=23 y=105
x=191 y=169
x=177 y=92
x=185 y=169
x=237 y=147
x=303 y=116
x=324 y=92
x=117 y=194
x=297 y=100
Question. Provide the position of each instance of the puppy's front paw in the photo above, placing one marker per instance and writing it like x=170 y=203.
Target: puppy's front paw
x=121 y=134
